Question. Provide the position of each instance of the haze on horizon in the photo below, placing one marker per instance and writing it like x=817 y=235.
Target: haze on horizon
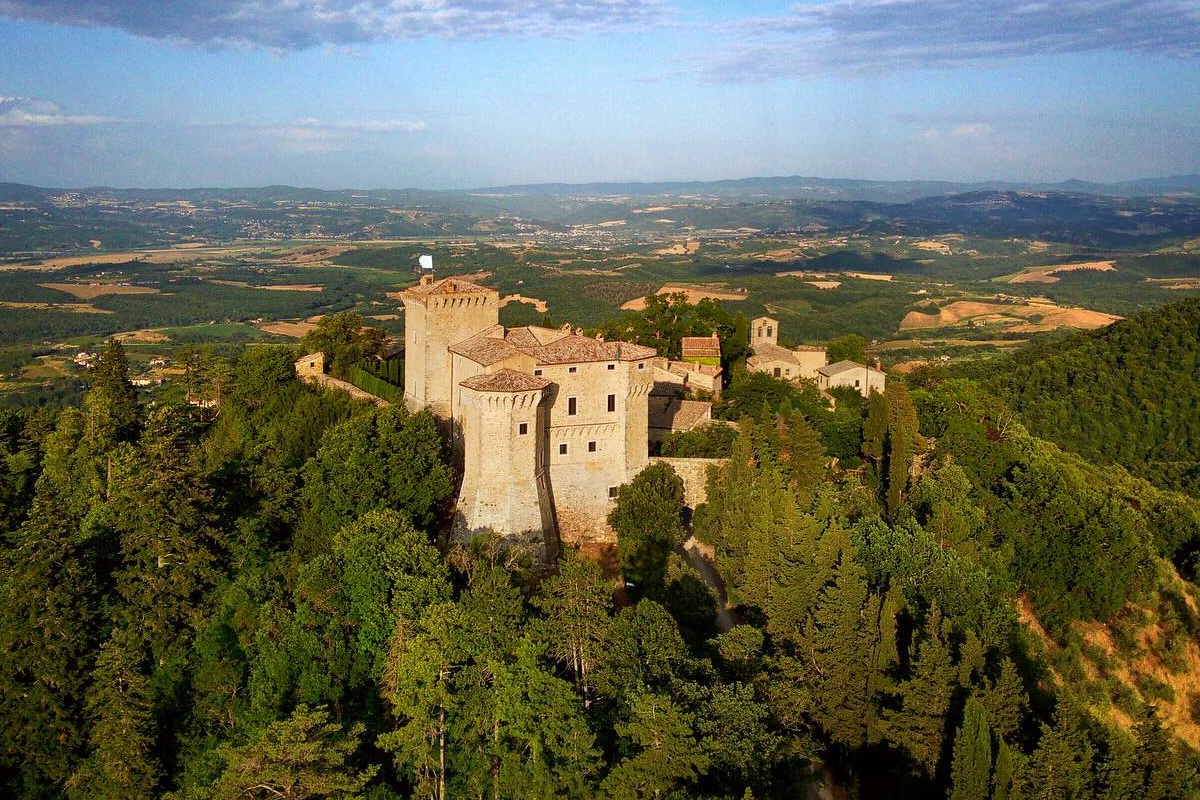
x=471 y=93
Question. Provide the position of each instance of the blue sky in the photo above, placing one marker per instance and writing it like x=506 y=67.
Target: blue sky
x=469 y=93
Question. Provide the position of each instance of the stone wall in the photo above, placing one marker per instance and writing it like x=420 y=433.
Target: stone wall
x=694 y=472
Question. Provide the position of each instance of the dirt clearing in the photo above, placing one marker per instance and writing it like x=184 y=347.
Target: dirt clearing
x=540 y=305
x=77 y=308
x=86 y=291
x=296 y=330
x=1049 y=274
x=694 y=295
x=1013 y=317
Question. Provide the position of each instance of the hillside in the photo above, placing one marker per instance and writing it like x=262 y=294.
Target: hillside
x=1128 y=394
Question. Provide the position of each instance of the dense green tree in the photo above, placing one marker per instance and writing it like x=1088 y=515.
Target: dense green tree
x=122 y=735
x=648 y=519
x=665 y=754
x=575 y=604
x=49 y=626
x=1061 y=765
x=171 y=544
x=344 y=340
x=383 y=458
x=111 y=406
x=920 y=724
x=666 y=319
x=304 y=756
x=850 y=347
x=971 y=769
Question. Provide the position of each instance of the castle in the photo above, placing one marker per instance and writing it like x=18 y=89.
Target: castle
x=545 y=423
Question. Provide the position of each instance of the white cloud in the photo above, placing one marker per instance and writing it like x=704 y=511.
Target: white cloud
x=29 y=112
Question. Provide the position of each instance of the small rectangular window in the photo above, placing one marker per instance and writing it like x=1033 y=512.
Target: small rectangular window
x=612 y=492
x=572 y=406
x=562 y=449
x=856 y=384
x=642 y=365
x=523 y=428
x=769 y=329
x=537 y=372
x=612 y=403
x=612 y=366
x=591 y=447
x=572 y=369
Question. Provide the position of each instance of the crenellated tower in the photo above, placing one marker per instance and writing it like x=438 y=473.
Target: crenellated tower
x=438 y=314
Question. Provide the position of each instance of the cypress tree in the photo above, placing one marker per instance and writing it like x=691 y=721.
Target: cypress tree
x=121 y=766
x=920 y=723
x=970 y=772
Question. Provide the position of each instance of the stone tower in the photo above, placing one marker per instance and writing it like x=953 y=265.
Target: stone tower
x=764 y=330
x=438 y=314
x=504 y=489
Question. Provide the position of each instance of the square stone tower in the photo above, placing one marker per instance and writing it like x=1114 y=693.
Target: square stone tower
x=438 y=314
x=763 y=330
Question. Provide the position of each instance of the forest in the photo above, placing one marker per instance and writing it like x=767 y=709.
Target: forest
x=258 y=601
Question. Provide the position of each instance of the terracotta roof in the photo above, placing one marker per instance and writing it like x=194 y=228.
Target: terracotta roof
x=701 y=346
x=685 y=367
x=486 y=348
x=765 y=353
x=572 y=348
x=829 y=370
x=533 y=336
x=448 y=286
x=681 y=415
x=505 y=380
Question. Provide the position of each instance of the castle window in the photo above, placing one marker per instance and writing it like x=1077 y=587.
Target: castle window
x=769 y=330
x=562 y=449
x=523 y=428
x=572 y=406
x=591 y=447
x=612 y=492
x=612 y=366
x=572 y=370
x=612 y=403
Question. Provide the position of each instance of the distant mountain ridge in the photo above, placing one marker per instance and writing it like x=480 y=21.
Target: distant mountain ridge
x=752 y=189
x=798 y=187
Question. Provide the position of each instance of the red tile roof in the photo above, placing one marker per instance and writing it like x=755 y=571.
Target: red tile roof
x=505 y=380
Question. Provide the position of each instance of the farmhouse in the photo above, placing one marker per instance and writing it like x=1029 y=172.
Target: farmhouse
x=545 y=423
x=768 y=356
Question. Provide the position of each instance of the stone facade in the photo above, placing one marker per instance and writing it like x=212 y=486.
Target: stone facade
x=860 y=377
x=545 y=423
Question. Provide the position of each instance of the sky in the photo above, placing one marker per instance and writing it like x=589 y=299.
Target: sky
x=450 y=94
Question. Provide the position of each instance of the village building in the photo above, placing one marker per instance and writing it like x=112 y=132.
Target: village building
x=768 y=356
x=860 y=377
x=701 y=349
x=545 y=423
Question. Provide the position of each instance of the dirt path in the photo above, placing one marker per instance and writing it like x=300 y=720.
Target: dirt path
x=700 y=557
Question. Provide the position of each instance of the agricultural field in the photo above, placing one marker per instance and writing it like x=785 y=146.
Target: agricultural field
x=922 y=281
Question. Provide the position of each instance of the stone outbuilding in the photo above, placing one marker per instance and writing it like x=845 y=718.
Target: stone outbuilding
x=860 y=377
